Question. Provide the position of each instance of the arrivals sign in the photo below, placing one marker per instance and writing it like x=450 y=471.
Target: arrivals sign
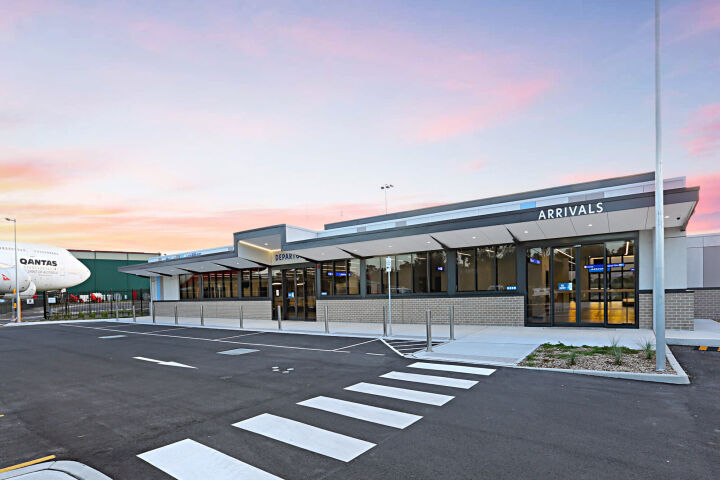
x=571 y=211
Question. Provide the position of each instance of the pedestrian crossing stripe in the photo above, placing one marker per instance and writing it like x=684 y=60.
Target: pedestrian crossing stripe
x=190 y=460
x=368 y=413
x=331 y=444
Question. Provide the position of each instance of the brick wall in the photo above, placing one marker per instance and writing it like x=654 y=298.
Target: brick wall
x=707 y=304
x=252 y=310
x=489 y=310
x=679 y=310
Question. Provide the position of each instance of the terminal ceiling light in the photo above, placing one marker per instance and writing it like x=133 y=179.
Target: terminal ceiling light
x=526 y=231
x=589 y=224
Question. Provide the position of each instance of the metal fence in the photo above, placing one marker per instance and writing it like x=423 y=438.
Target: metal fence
x=97 y=305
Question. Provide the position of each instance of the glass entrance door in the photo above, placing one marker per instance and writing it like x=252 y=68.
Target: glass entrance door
x=582 y=285
x=564 y=286
x=294 y=291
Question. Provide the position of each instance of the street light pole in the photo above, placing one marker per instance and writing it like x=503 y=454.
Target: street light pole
x=385 y=189
x=17 y=291
x=659 y=274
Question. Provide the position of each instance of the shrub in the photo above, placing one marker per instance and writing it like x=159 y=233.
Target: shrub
x=571 y=359
x=647 y=347
x=616 y=351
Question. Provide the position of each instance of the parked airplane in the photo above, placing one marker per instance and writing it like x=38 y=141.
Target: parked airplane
x=40 y=268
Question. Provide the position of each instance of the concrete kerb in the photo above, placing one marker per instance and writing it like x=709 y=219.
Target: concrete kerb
x=73 y=471
x=679 y=378
x=225 y=327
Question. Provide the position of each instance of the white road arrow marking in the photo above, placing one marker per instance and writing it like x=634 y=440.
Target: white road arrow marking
x=160 y=362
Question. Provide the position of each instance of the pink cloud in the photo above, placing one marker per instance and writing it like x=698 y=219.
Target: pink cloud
x=497 y=104
x=707 y=213
x=703 y=131
x=474 y=166
x=690 y=19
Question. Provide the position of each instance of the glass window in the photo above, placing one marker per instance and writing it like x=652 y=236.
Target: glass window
x=255 y=283
x=326 y=282
x=466 y=270
x=438 y=271
x=620 y=282
x=246 y=283
x=206 y=285
x=538 y=286
x=353 y=279
x=263 y=286
x=506 y=267
x=234 y=284
x=420 y=274
x=486 y=268
x=404 y=273
x=340 y=277
x=373 y=276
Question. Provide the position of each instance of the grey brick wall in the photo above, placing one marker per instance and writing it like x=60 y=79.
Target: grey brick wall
x=707 y=304
x=490 y=310
x=253 y=310
x=679 y=310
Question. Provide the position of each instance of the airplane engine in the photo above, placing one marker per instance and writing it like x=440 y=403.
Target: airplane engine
x=7 y=279
x=27 y=293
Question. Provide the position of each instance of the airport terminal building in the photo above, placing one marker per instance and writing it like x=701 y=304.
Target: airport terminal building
x=577 y=255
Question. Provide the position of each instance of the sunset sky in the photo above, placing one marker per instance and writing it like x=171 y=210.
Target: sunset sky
x=168 y=125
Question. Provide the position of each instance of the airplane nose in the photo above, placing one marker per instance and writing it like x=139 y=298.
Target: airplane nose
x=85 y=272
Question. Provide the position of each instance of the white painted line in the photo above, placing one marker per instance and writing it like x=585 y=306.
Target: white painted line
x=113 y=336
x=209 y=339
x=164 y=330
x=383 y=416
x=237 y=351
x=242 y=335
x=160 y=362
x=431 y=380
x=444 y=367
x=324 y=442
x=355 y=345
x=190 y=460
x=380 y=354
x=391 y=347
x=401 y=393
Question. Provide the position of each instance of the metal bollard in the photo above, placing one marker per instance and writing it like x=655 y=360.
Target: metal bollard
x=241 y=318
x=452 y=322
x=428 y=327
x=117 y=313
x=176 y=315
x=279 y=317
x=384 y=322
x=134 y=317
x=152 y=307
x=202 y=316
x=327 y=325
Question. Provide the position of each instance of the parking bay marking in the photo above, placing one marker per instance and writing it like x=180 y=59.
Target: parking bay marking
x=160 y=362
x=209 y=339
x=109 y=337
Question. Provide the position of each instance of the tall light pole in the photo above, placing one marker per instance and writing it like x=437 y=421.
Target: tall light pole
x=385 y=189
x=17 y=292
x=659 y=274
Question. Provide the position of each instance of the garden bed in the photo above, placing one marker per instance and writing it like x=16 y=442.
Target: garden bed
x=612 y=358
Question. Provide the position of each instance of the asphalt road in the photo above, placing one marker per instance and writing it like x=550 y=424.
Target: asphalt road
x=64 y=391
